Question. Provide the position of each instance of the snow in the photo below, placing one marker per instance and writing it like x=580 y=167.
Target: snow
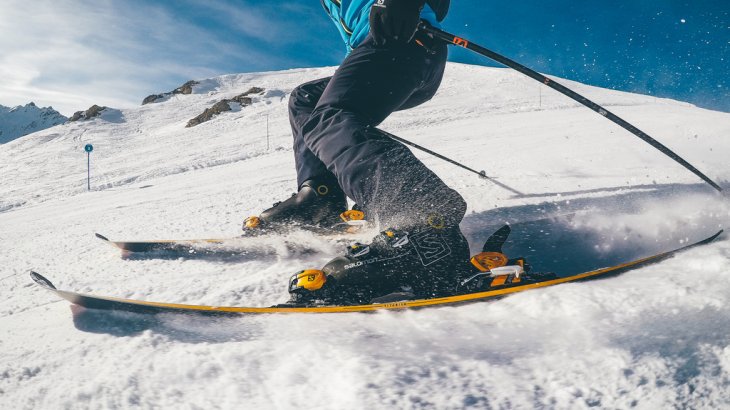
x=23 y=120
x=656 y=337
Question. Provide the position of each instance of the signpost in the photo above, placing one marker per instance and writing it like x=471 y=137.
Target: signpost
x=88 y=148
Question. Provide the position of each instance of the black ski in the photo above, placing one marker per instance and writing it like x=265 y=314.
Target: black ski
x=507 y=287
x=182 y=247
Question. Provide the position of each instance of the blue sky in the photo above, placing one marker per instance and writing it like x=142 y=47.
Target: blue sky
x=74 y=53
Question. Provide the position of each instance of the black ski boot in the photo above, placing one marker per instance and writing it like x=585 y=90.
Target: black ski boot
x=316 y=205
x=418 y=263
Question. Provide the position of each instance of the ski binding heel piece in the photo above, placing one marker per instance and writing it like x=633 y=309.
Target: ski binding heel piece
x=500 y=273
x=252 y=222
x=486 y=261
x=515 y=270
x=353 y=221
x=307 y=281
x=353 y=217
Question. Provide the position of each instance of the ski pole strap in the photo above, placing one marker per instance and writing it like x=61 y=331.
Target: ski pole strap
x=461 y=42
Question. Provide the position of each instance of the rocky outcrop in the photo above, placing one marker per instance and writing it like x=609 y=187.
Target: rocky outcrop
x=152 y=98
x=92 y=112
x=186 y=88
x=217 y=108
x=222 y=106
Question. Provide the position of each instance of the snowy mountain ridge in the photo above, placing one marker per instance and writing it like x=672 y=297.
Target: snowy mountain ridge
x=23 y=120
x=240 y=134
x=657 y=337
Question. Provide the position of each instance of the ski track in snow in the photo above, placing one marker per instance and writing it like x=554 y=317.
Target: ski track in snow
x=657 y=337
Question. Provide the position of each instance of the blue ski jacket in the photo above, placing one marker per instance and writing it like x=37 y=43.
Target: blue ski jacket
x=352 y=19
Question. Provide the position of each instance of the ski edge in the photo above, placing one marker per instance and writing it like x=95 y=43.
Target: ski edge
x=141 y=306
x=160 y=244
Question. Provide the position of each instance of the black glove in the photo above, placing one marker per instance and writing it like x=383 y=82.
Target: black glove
x=395 y=20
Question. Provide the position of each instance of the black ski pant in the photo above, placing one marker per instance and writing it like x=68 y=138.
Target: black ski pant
x=333 y=122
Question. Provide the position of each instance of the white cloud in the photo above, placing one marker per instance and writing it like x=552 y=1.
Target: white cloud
x=74 y=53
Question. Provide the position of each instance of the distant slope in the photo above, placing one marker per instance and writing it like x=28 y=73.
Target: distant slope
x=23 y=120
x=532 y=136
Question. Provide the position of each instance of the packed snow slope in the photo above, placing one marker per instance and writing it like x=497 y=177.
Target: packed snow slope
x=656 y=337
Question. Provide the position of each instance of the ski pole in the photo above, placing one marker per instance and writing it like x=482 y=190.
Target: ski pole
x=482 y=174
x=461 y=42
x=88 y=148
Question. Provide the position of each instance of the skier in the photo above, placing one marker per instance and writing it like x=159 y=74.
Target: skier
x=339 y=153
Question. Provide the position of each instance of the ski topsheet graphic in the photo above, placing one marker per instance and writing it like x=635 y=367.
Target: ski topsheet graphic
x=507 y=288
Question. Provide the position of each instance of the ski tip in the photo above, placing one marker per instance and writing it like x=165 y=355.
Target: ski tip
x=41 y=280
x=102 y=237
x=720 y=232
